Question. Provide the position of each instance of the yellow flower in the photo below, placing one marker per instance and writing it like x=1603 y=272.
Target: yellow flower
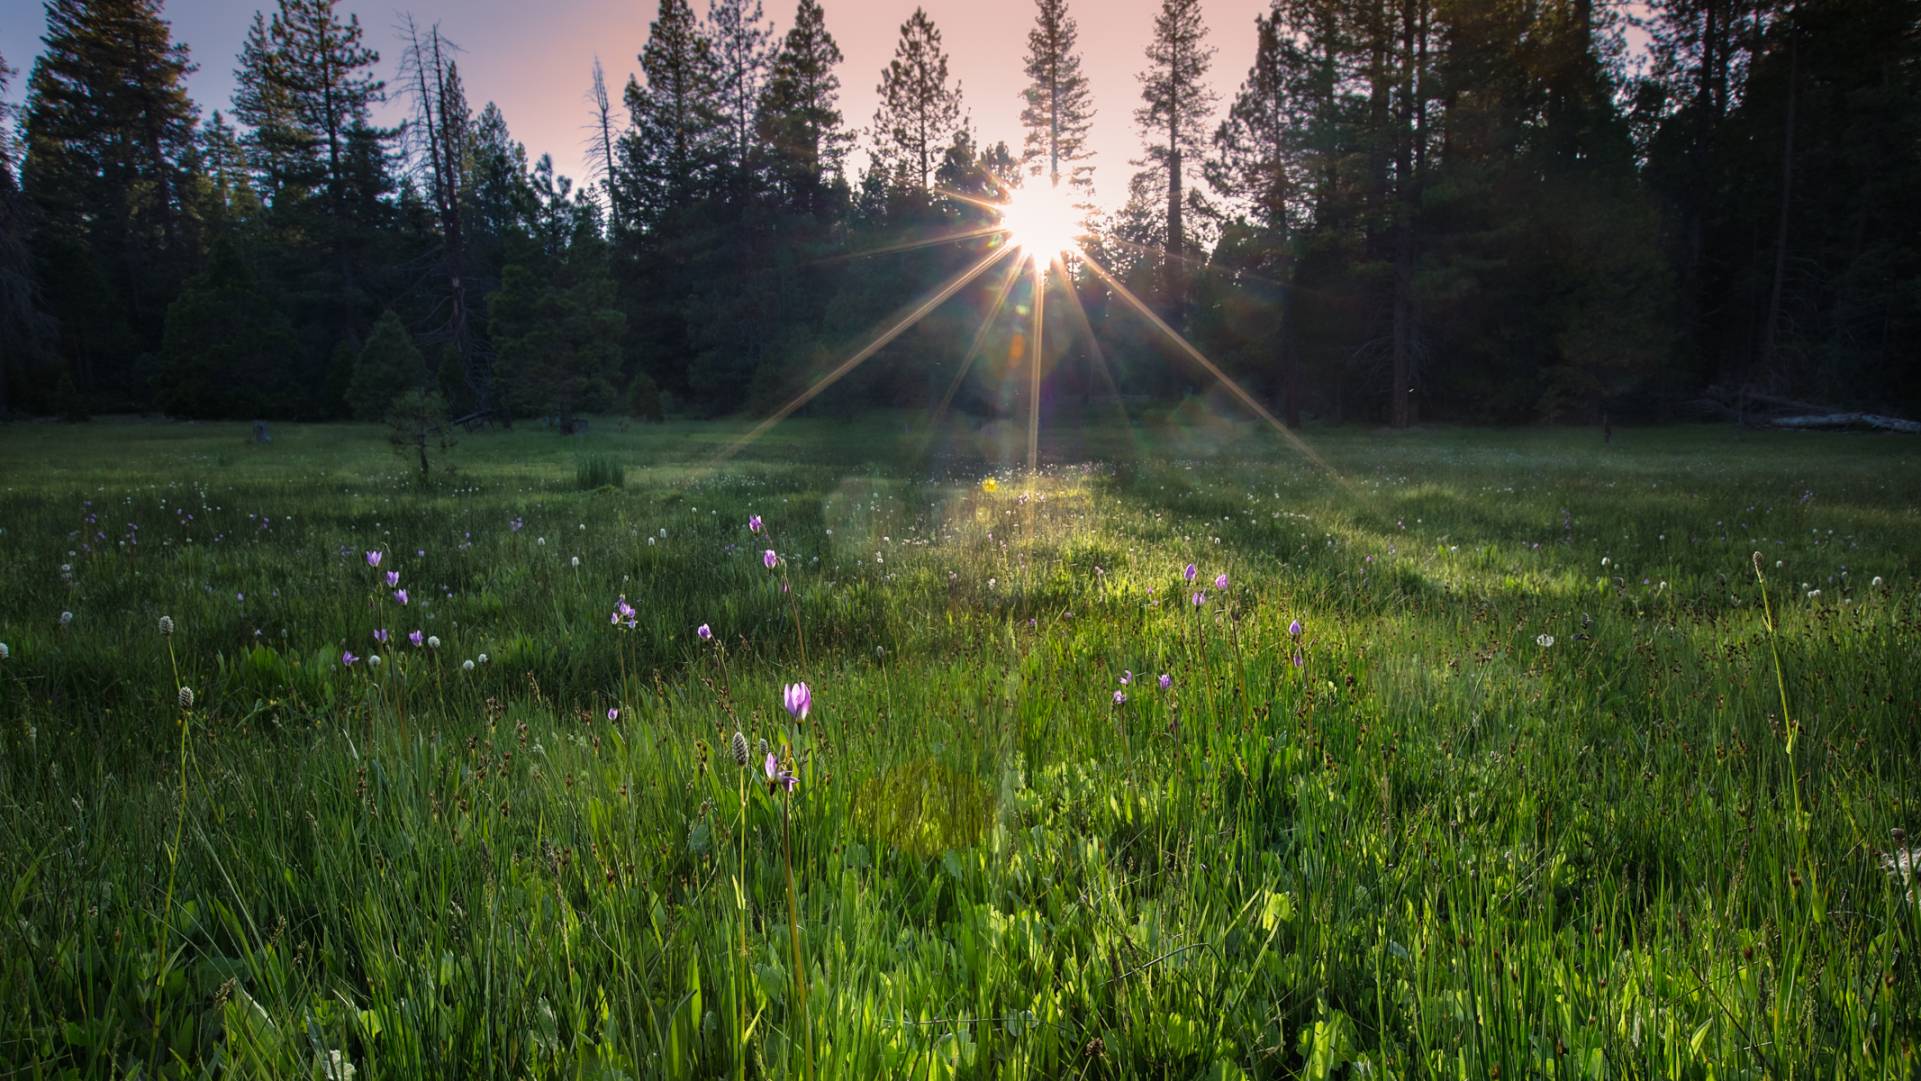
x=990 y=486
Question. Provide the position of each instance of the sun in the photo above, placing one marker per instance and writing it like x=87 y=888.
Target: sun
x=1041 y=221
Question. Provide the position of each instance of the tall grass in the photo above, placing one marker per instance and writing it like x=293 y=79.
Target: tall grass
x=599 y=471
x=1435 y=846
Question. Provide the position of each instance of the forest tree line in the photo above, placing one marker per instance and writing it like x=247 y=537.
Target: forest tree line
x=1460 y=209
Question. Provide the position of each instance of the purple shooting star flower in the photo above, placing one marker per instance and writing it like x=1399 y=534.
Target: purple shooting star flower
x=798 y=699
x=776 y=776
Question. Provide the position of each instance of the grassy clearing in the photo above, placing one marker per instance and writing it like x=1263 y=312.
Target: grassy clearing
x=1436 y=845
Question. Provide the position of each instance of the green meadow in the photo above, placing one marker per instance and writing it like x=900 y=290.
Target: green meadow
x=1585 y=760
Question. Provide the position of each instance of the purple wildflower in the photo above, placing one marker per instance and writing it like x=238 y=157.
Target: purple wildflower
x=1127 y=676
x=776 y=776
x=400 y=596
x=1120 y=698
x=1190 y=572
x=753 y=523
x=798 y=699
x=1220 y=582
x=393 y=579
x=613 y=713
x=380 y=636
x=768 y=559
x=704 y=633
x=347 y=657
x=1294 y=629
x=1166 y=681
x=416 y=638
x=1200 y=597
x=373 y=557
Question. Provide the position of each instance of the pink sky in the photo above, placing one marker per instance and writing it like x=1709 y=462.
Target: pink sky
x=534 y=59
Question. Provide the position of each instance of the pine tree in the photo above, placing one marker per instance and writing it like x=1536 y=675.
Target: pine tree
x=672 y=152
x=306 y=89
x=1059 y=106
x=228 y=347
x=1177 y=105
x=919 y=113
x=389 y=365
x=556 y=332
x=799 y=119
x=25 y=330
x=743 y=51
x=109 y=128
x=278 y=146
x=229 y=185
x=1255 y=162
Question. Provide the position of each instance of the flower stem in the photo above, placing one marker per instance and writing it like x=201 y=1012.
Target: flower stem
x=793 y=932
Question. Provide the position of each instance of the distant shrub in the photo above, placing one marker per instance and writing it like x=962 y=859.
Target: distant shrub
x=417 y=428
x=599 y=471
x=388 y=367
x=643 y=398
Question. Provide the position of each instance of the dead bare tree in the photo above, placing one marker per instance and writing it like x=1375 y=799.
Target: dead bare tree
x=601 y=143
x=435 y=152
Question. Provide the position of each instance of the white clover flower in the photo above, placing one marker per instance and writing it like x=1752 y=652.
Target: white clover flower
x=467 y=666
x=1544 y=641
x=166 y=625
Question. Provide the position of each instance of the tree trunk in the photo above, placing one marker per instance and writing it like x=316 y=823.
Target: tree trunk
x=1401 y=411
x=1771 y=342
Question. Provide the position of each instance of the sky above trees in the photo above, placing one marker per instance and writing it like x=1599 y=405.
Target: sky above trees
x=536 y=60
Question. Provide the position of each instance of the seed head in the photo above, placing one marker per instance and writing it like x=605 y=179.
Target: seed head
x=4 y=651
x=186 y=698
x=739 y=747
x=166 y=626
